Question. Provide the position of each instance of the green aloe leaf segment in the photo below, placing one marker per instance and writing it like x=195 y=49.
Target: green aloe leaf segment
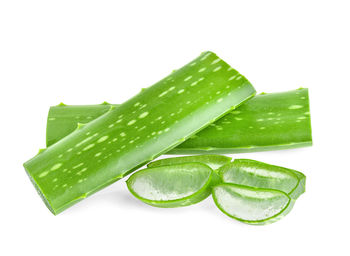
x=251 y=205
x=139 y=130
x=261 y=175
x=269 y=121
x=173 y=185
x=266 y=122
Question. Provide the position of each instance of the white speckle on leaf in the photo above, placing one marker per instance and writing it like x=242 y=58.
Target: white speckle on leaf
x=56 y=166
x=162 y=94
x=132 y=122
x=205 y=56
x=43 y=174
x=202 y=69
x=232 y=77
x=78 y=165
x=217 y=68
x=144 y=114
x=187 y=78
x=295 y=106
x=102 y=139
x=88 y=147
x=215 y=61
x=181 y=91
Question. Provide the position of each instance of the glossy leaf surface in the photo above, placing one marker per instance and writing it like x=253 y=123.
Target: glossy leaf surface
x=261 y=175
x=251 y=205
x=172 y=186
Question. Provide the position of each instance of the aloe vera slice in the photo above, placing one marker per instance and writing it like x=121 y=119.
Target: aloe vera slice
x=266 y=122
x=213 y=161
x=261 y=175
x=252 y=205
x=172 y=186
x=139 y=130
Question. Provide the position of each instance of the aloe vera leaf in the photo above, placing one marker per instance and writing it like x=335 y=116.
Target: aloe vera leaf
x=172 y=186
x=266 y=122
x=213 y=161
x=261 y=175
x=139 y=130
x=252 y=205
x=63 y=119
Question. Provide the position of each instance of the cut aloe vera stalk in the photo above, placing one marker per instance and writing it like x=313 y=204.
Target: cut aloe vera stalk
x=139 y=130
x=252 y=205
x=63 y=119
x=261 y=175
x=172 y=186
x=213 y=161
x=266 y=122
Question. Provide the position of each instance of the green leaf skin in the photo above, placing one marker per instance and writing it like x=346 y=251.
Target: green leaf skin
x=266 y=122
x=63 y=119
x=139 y=130
x=172 y=186
x=250 y=205
x=213 y=161
x=261 y=175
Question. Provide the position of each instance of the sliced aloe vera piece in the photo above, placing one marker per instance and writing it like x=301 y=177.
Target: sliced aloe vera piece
x=139 y=130
x=266 y=122
x=172 y=186
x=261 y=175
x=252 y=205
x=213 y=161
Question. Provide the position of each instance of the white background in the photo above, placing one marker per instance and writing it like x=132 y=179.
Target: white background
x=86 y=52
